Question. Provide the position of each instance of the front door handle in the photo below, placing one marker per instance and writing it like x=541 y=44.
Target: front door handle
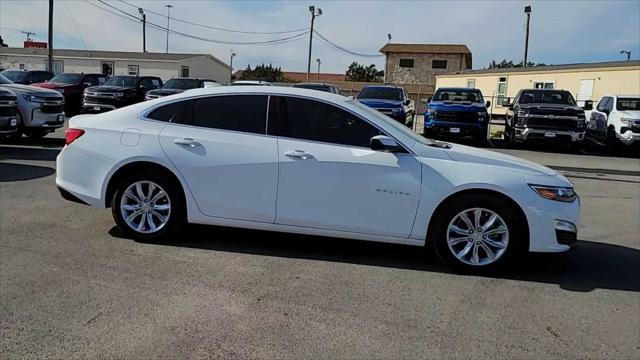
x=186 y=142
x=300 y=154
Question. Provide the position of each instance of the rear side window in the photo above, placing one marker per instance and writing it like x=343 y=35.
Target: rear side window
x=177 y=112
x=317 y=121
x=246 y=113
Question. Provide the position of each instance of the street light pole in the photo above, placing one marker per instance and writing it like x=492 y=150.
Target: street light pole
x=144 y=30
x=168 y=6
x=318 y=61
x=233 y=54
x=50 y=45
x=527 y=10
x=626 y=52
x=314 y=12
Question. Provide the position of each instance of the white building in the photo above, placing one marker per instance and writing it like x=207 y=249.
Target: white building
x=165 y=66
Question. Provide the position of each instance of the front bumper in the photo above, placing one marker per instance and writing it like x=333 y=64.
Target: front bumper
x=629 y=138
x=97 y=107
x=38 y=119
x=455 y=129
x=8 y=124
x=553 y=225
x=524 y=134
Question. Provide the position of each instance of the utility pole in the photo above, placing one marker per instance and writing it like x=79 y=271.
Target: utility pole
x=626 y=52
x=527 y=10
x=318 y=61
x=50 y=45
x=314 y=12
x=144 y=30
x=168 y=6
x=233 y=54
x=28 y=33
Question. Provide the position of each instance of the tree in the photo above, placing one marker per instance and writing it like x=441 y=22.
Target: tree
x=263 y=73
x=510 y=64
x=2 y=43
x=358 y=72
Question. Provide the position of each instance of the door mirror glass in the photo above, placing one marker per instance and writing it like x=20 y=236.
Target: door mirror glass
x=384 y=143
x=588 y=105
x=407 y=102
x=488 y=104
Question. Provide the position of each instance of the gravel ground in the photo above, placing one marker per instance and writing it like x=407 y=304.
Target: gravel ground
x=72 y=287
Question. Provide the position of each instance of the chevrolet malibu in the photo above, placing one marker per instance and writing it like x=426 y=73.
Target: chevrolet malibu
x=302 y=161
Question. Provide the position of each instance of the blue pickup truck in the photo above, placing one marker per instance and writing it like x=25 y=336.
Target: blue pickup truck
x=390 y=100
x=457 y=113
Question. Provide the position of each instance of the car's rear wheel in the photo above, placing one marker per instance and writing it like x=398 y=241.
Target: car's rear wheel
x=478 y=232
x=148 y=206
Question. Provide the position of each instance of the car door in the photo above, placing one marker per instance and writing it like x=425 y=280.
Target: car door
x=221 y=150
x=329 y=177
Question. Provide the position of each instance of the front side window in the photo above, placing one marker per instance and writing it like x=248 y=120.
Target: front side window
x=406 y=63
x=245 y=113
x=602 y=104
x=307 y=119
x=177 y=112
x=439 y=64
x=628 y=104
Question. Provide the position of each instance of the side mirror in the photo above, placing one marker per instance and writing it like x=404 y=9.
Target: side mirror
x=488 y=104
x=588 y=105
x=86 y=84
x=407 y=102
x=384 y=143
x=429 y=99
x=507 y=103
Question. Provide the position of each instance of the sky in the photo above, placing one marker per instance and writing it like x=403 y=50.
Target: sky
x=561 y=31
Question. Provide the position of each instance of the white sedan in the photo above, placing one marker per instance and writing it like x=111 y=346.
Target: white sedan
x=302 y=161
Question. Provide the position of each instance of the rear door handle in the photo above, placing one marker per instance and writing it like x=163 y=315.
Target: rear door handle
x=186 y=142
x=300 y=154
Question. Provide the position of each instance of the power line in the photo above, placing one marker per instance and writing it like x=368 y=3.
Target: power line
x=218 y=28
x=340 y=48
x=196 y=37
x=84 y=44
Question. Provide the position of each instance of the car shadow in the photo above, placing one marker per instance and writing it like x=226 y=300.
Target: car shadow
x=591 y=265
x=18 y=172
x=48 y=142
x=28 y=153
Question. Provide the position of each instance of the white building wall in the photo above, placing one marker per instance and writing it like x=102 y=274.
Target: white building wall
x=205 y=67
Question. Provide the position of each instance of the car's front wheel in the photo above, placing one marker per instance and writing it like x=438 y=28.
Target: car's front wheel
x=148 y=206
x=478 y=232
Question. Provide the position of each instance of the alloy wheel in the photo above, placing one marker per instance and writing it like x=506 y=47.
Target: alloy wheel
x=477 y=236
x=145 y=207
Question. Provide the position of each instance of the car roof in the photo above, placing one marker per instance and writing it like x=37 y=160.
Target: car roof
x=313 y=84
x=457 y=89
x=266 y=90
x=382 y=86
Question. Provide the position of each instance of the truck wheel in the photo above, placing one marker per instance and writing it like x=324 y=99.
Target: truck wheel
x=613 y=144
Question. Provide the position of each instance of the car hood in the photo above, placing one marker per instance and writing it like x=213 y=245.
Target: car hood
x=52 y=85
x=381 y=103
x=109 y=88
x=457 y=106
x=165 y=92
x=462 y=153
x=6 y=94
x=26 y=89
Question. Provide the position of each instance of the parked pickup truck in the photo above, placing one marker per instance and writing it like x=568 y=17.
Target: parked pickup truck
x=390 y=100
x=119 y=91
x=459 y=113
x=71 y=86
x=615 y=123
x=544 y=115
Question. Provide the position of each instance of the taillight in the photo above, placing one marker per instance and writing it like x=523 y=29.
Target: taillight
x=72 y=134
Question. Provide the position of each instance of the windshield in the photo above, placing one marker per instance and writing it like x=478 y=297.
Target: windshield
x=628 y=104
x=384 y=93
x=458 y=95
x=314 y=87
x=184 y=84
x=128 y=81
x=66 y=78
x=14 y=75
x=547 y=97
x=395 y=124
x=4 y=80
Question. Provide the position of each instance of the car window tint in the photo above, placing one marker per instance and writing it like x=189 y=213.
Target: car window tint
x=156 y=84
x=246 y=113
x=313 y=120
x=176 y=112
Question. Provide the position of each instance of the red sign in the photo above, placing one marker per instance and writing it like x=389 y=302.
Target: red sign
x=35 y=45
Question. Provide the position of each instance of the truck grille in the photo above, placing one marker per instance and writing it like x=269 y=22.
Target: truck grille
x=456 y=116
x=52 y=108
x=552 y=123
x=8 y=107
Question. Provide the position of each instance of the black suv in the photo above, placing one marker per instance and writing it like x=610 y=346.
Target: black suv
x=320 y=87
x=27 y=77
x=175 y=86
x=551 y=115
x=119 y=91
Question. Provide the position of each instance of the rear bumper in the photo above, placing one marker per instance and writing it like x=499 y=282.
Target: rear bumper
x=70 y=197
x=525 y=134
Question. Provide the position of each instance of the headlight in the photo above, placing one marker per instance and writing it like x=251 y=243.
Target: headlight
x=397 y=110
x=431 y=112
x=33 y=98
x=523 y=114
x=61 y=91
x=14 y=122
x=627 y=121
x=481 y=115
x=564 y=194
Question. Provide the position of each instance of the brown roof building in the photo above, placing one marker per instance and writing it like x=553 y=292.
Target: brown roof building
x=420 y=63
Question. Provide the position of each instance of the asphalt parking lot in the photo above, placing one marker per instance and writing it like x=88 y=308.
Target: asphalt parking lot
x=72 y=287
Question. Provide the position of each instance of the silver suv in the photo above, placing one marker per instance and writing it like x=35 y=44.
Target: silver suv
x=40 y=111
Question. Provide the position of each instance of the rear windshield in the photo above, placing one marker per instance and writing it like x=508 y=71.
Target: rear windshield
x=183 y=84
x=547 y=97
x=14 y=75
x=66 y=78
x=458 y=95
x=383 y=93
x=128 y=81
x=628 y=104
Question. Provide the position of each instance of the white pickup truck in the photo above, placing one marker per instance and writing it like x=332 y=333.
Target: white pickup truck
x=615 y=122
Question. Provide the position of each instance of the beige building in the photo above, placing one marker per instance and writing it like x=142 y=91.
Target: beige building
x=587 y=81
x=421 y=63
x=111 y=63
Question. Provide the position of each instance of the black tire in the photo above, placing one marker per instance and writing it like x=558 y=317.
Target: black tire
x=517 y=236
x=613 y=144
x=177 y=215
